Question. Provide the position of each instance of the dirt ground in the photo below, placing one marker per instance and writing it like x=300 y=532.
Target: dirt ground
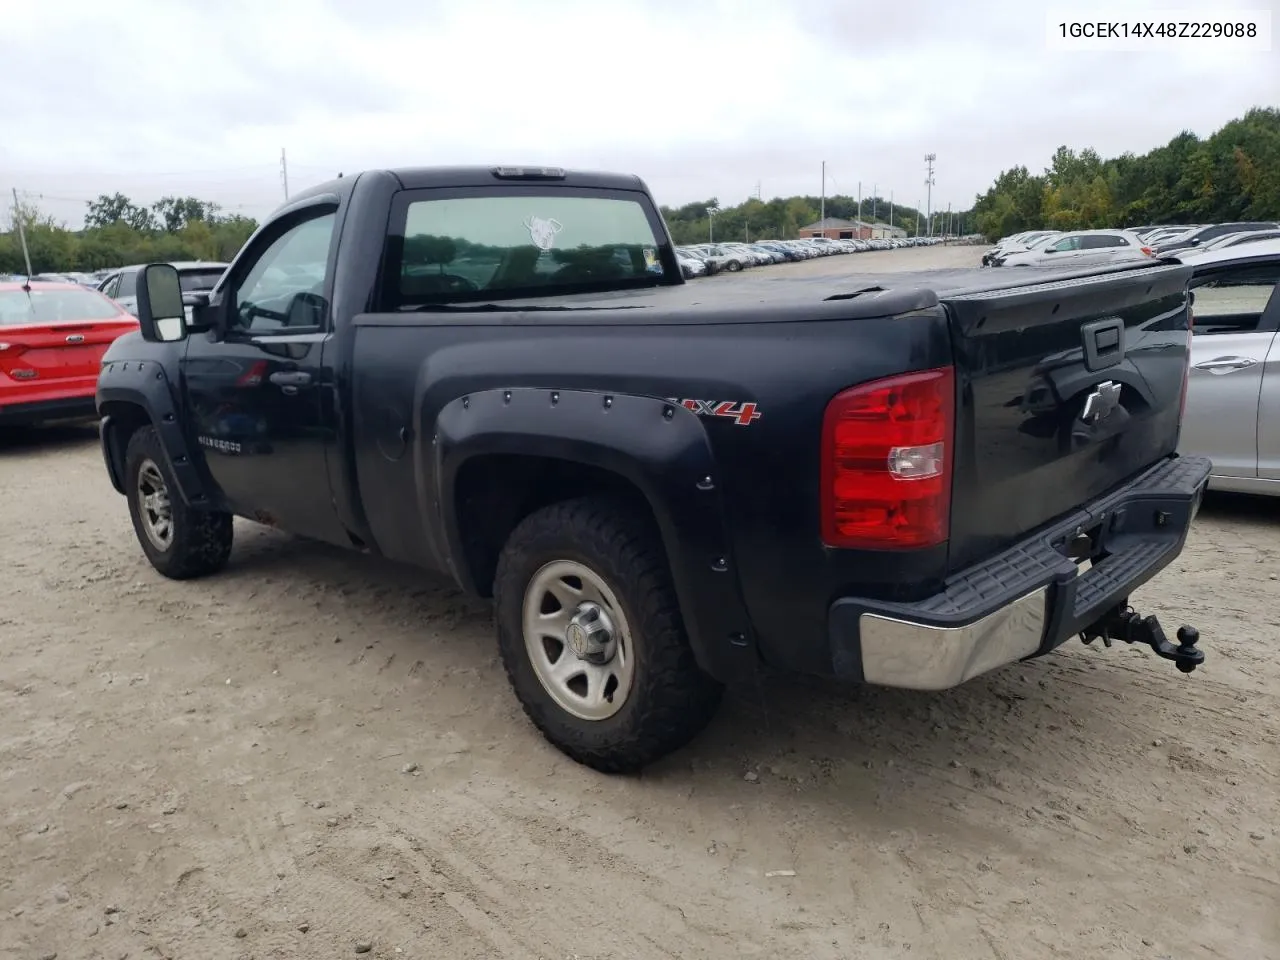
x=317 y=751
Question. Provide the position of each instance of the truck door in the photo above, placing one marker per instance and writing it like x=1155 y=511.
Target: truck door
x=1232 y=345
x=258 y=395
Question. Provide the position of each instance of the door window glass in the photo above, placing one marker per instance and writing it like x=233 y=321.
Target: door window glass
x=1233 y=300
x=284 y=289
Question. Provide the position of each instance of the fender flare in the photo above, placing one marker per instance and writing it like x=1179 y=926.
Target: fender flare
x=660 y=448
x=143 y=384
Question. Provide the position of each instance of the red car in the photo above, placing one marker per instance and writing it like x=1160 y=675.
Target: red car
x=52 y=338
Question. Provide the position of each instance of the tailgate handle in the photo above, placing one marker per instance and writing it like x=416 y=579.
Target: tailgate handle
x=1103 y=343
x=1226 y=364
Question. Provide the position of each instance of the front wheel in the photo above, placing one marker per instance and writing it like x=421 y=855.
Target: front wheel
x=591 y=636
x=180 y=542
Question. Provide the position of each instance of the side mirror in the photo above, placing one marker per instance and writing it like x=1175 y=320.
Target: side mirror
x=199 y=317
x=1195 y=241
x=1050 y=250
x=162 y=316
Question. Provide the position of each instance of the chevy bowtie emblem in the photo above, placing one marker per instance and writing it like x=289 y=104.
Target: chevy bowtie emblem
x=1100 y=404
x=76 y=338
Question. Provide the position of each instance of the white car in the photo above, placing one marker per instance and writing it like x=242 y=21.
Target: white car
x=1018 y=241
x=1081 y=248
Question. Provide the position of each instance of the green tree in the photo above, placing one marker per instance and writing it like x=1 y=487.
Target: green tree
x=118 y=208
x=118 y=232
x=175 y=213
x=1234 y=174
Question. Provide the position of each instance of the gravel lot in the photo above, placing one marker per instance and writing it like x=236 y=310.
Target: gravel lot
x=316 y=752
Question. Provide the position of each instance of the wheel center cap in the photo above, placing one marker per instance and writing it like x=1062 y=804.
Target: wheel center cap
x=590 y=634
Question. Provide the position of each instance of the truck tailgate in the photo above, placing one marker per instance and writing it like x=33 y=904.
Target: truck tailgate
x=1065 y=389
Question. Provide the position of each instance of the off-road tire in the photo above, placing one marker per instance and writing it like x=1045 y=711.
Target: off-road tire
x=201 y=540
x=671 y=699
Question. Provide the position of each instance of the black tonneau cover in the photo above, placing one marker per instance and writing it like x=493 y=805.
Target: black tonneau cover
x=755 y=298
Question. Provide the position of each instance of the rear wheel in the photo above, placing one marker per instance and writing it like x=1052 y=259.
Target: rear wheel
x=733 y=266
x=180 y=542
x=591 y=637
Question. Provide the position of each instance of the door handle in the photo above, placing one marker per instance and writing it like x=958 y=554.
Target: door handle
x=1226 y=364
x=290 y=378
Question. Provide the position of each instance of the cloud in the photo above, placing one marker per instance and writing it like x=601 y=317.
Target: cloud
x=155 y=97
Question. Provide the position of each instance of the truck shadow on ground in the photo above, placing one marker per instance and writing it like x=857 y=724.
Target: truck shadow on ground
x=1241 y=508
x=59 y=439
x=1038 y=724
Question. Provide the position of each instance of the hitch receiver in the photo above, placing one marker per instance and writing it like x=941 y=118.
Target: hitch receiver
x=1126 y=624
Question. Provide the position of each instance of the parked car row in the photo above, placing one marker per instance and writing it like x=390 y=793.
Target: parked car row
x=1094 y=247
x=703 y=259
x=83 y=279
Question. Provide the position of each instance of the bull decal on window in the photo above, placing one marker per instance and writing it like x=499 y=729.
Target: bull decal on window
x=543 y=232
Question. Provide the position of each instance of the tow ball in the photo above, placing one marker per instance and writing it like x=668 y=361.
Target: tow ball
x=1127 y=625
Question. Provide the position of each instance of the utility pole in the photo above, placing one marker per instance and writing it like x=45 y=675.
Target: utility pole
x=822 y=210
x=948 y=220
x=22 y=236
x=284 y=173
x=928 y=182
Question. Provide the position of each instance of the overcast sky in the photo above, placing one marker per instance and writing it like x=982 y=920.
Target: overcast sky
x=700 y=97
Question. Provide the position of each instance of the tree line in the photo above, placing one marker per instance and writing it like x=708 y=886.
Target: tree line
x=782 y=217
x=1232 y=175
x=118 y=232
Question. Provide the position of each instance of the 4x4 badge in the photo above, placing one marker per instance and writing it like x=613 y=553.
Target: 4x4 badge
x=741 y=413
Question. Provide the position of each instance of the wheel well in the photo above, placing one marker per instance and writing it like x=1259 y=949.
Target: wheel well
x=126 y=420
x=493 y=493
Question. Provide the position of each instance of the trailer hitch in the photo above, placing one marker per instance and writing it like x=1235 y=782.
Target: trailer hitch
x=1126 y=624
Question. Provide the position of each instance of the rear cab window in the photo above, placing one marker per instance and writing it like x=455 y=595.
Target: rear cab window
x=447 y=246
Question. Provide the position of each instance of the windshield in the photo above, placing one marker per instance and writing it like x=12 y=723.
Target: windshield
x=62 y=305
x=505 y=247
x=196 y=280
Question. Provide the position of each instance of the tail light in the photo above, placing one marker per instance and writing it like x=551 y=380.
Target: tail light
x=1148 y=251
x=886 y=462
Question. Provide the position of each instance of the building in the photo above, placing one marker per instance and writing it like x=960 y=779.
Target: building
x=833 y=228
x=882 y=231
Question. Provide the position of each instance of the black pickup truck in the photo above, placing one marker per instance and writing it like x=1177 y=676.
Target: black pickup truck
x=499 y=374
